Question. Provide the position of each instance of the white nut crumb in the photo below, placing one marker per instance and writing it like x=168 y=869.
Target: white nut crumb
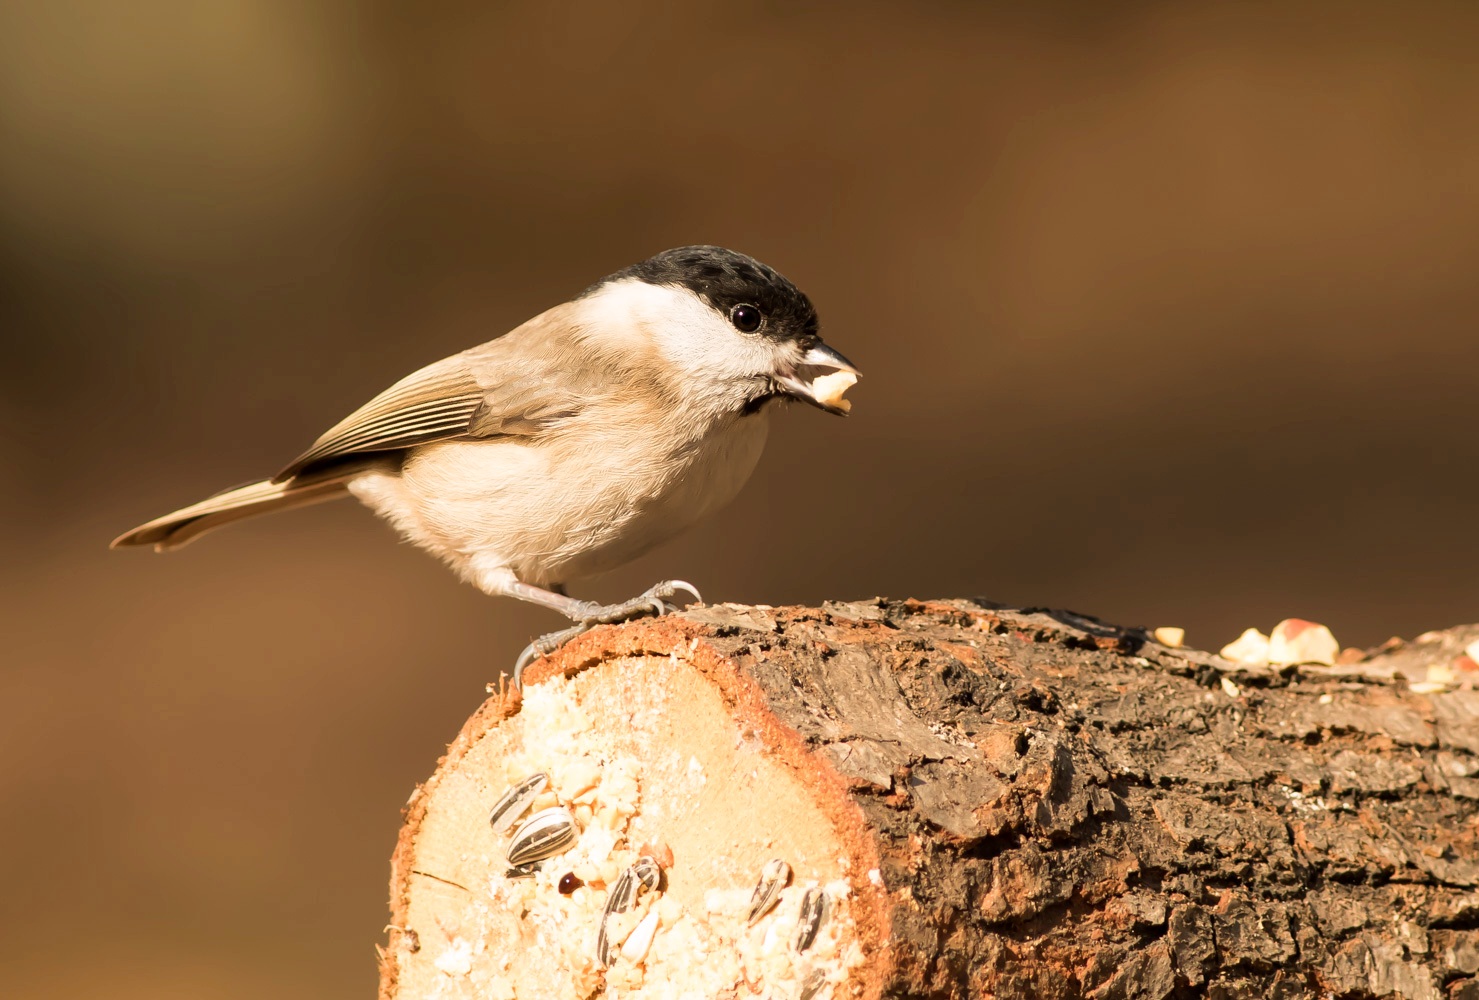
x=1472 y=650
x=875 y=877
x=577 y=782
x=619 y=926
x=1326 y=699
x=624 y=977
x=668 y=910
x=1441 y=673
x=456 y=960
x=640 y=939
x=1295 y=640
x=1230 y=689
x=1251 y=647
x=1427 y=687
x=828 y=389
x=1170 y=635
x=727 y=900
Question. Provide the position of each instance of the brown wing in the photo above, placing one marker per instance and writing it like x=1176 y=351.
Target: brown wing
x=505 y=387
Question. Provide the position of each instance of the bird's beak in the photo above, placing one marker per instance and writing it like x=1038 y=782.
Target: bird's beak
x=821 y=377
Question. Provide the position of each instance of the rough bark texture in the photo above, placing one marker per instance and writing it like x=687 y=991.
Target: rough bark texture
x=1059 y=808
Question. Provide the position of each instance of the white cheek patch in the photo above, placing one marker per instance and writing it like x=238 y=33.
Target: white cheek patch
x=685 y=331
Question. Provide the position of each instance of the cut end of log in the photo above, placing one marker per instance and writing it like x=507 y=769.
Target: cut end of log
x=664 y=755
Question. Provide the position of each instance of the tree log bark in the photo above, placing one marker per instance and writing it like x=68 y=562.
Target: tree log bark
x=986 y=802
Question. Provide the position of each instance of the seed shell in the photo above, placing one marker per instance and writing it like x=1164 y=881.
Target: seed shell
x=812 y=985
x=643 y=874
x=774 y=876
x=814 y=906
x=623 y=894
x=603 y=944
x=543 y=835
x=647 y=871
x=515 y=802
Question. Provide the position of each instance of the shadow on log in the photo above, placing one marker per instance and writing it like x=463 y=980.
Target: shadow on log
x=970 y=801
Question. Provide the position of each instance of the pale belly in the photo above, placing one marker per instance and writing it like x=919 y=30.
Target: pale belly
x=553 y=513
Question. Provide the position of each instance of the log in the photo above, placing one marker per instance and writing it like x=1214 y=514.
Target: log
x=973 y=801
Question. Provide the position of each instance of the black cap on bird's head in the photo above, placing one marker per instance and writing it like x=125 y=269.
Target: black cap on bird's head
x=728 y=280
x=756 y=299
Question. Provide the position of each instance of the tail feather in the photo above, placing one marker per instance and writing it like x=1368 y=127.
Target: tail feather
x=188 y=523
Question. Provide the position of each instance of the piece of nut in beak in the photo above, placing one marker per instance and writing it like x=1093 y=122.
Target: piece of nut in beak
x=829 y=389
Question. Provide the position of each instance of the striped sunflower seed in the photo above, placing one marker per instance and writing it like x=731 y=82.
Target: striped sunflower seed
x=812 y=985
x=814 y=907
x=543 y=835
x=516 y=802
x=645 y=873
x=774 y=876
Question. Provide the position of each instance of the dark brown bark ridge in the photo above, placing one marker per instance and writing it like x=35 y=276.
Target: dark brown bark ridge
x=1061 y=808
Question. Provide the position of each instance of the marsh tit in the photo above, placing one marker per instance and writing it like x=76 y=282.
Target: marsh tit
x=575 y=442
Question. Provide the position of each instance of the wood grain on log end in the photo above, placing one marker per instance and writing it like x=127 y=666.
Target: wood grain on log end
x=998 y=803
x=722 y=787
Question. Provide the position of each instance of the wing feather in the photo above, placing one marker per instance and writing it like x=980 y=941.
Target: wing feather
x=509 y=386
x=432 y=404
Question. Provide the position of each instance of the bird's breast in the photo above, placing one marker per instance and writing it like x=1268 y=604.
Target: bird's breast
x=657 y=489
x=577 y=503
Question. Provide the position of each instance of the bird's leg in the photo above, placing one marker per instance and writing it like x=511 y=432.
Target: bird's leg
x=655 y=600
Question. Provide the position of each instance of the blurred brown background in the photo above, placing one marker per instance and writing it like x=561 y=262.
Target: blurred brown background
x=1167 y=313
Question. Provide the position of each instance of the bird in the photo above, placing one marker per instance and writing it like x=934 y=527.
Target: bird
x=573 y=443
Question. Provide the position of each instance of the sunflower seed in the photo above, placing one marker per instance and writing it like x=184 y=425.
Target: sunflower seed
x=812 y=985
x=648 y=871
x=515 y=802
x=603 y=944
x=543 y=835
x=814 y=906
x=774 y=877
x=623 y=894
x=643 y=874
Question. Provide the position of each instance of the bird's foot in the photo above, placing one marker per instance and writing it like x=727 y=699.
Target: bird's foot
x=654 y=601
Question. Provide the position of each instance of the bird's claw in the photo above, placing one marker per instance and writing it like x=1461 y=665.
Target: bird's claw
x=674 y=586
x=529 y=655
x=659 y=597
x=656 y=601
x=542 y=647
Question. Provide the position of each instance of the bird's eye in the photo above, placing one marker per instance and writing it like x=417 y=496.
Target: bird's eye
x=746 y=318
